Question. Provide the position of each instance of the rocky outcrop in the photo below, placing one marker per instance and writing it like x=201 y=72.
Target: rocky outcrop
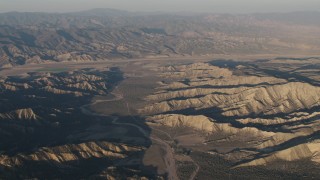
x=13 y=86
x=72 y=152
x=20 y=114
x=302 y=151
x=293 y=117
x=204 y=124
x=76 y=83
x=61 y=91
x=195 y=70
x=269 y=100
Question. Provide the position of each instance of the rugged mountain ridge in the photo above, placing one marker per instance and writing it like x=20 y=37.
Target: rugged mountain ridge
x=88 y=36
x=253 y=120
x=71 y=152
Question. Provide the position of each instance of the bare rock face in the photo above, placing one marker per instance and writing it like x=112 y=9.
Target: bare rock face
x=293 y=117
x=20 y=114
x=202 y=123
x=301 y=151
x=83 y=85
x=72 y=152
x=60 y=91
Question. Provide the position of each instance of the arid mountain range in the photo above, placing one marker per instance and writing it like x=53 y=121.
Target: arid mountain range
x=108 y=94
x=108 y=34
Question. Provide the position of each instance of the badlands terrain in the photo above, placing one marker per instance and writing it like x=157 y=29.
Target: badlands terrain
x=103 y=34
x=166 y=118
x=108 y=94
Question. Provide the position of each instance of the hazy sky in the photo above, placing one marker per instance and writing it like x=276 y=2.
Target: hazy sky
x=228 y=6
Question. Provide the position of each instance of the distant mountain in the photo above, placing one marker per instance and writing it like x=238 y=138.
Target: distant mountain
x=303 y=18
x=102 y=12
x=106 y=33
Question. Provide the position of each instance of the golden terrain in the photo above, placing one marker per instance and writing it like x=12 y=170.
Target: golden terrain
x=168 y=119
x=262 y=112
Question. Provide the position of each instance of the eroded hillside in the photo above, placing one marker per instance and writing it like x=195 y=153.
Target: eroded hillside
x=162 y=119
x=248 y=113
x=27 y=38
x=48 y=130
